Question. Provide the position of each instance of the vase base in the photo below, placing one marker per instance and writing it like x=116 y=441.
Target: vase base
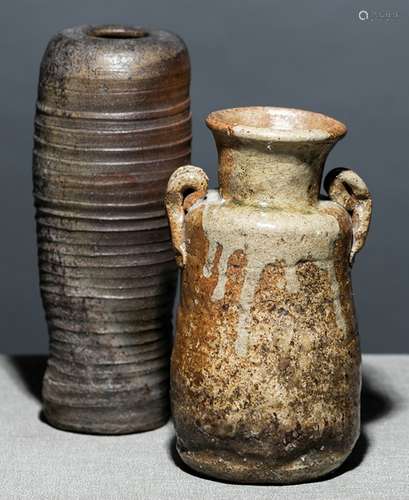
x=106 y=421
x=231 y=467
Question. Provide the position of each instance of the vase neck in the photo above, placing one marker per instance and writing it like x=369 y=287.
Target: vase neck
x=272 y=156
x=279 y=175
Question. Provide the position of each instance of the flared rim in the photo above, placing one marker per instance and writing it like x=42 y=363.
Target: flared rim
x=275 y=124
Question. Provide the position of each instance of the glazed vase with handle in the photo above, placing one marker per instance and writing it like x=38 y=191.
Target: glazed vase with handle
x=265 y=370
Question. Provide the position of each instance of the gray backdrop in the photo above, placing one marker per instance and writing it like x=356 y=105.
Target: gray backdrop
x=316 y=55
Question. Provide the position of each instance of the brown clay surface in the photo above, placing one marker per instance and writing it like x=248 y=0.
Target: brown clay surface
x=112 y=124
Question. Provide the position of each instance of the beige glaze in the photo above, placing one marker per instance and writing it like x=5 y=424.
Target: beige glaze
x=265 y=377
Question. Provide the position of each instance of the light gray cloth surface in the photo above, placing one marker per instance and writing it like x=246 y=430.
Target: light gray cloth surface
x=40 y=462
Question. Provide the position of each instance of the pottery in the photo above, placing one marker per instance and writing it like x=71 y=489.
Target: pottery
x=112 y=124
x=265 y=370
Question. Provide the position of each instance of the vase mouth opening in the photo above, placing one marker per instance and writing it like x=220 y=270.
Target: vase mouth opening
x=115 y=31
x=271 y=124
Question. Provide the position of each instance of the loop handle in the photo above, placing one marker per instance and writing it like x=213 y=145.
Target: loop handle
x=346 y=188
x=186 y=185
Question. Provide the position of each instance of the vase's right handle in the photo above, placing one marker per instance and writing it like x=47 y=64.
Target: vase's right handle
x=186 y=185
x=350 y=191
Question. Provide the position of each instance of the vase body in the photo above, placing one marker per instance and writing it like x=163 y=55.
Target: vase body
x=112 y=124
x=265 y=374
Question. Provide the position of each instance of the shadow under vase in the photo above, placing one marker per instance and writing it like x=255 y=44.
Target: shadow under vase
x=31 y=369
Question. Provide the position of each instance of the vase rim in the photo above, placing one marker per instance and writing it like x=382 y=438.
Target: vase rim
x=276 y=124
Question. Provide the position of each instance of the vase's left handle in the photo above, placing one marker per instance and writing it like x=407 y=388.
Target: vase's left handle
x=186 y=185
x=347 y=189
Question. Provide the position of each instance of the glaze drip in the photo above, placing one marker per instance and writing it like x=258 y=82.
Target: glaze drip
x=265 y=243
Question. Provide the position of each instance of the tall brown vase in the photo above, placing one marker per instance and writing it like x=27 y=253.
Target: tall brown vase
x=112 y=124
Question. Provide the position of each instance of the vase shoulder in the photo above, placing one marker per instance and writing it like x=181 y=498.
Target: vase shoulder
x=287 y=235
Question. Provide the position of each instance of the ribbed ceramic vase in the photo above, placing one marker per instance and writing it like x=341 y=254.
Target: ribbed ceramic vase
x=265 y=373
x=112 y=124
